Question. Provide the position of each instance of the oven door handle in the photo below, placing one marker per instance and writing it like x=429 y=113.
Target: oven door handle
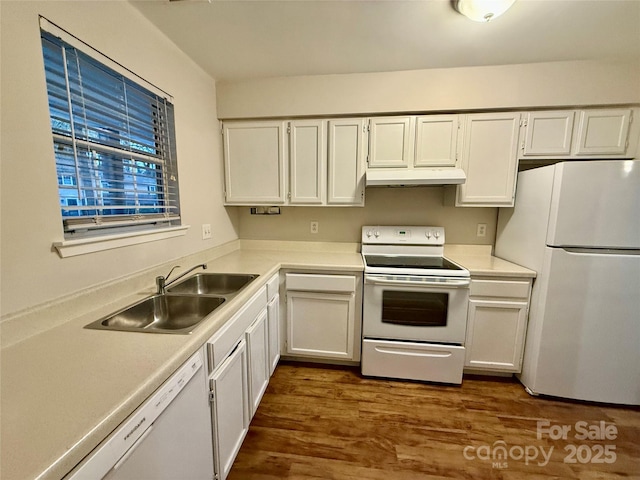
x=419 y=282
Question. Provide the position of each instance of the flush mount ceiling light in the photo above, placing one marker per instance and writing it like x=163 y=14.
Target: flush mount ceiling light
x=482 y=10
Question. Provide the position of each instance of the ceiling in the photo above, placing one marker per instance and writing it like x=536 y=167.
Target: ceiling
x=238 y=39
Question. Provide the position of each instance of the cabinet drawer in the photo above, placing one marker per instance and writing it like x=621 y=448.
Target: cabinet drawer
x=499 y=288
x=415 y=361
x=321 y=283
x=273 y=286
x=221 y=343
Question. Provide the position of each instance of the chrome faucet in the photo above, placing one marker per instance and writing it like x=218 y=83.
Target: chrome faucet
x=161 y=282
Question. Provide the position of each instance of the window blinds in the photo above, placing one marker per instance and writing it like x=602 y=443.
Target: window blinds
x=114 y=144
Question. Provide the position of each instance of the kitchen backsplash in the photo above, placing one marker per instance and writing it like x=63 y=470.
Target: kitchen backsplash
x=383 y=206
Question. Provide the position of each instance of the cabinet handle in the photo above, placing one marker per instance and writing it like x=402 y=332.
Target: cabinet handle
x=413 y=353
x=445 y=283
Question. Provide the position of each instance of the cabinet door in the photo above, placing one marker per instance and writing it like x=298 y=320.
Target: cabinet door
x=603 y=132
x=307 y=162
x=495 y=335
x=548 y=133
x=254 y=161
x=436 y=141
x=391 y=141
x=258 y=345
x=230 y=409
x=273 y=319
x=320 y=324
x=489 y=158
x=346 y=162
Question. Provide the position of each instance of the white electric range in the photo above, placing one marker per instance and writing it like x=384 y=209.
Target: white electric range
x=414 y=305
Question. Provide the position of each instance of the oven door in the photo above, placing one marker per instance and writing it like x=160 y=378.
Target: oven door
x=428 y=309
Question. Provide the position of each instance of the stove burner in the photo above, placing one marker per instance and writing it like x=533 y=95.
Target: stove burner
x=398 y=261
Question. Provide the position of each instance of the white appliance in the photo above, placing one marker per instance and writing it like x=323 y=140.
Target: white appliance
x=414 y=305
x=577 y=224
x=167 y=437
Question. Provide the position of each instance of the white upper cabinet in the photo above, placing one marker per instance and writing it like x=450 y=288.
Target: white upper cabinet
x=320 y=162
x=603 y=132
x=391 y=141
x=436 y=140
x=489 y=159
x=307 y=163
x=254 y=161
x=321 y=169
x=413 y=142
x=346 y=162
x=579 y=134
x=548 y=133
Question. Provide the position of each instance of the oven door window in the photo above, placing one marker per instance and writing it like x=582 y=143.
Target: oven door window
x=418 y=309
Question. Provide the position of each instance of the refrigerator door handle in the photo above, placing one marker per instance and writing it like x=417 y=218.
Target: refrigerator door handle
x=601 y=251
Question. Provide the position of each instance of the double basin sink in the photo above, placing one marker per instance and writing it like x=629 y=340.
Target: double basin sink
x=181 y=308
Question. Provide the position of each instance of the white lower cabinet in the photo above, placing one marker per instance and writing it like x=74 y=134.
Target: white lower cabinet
x=320 y=324
x=229 y=408
x=496 y=324
x=273 y=321
x=321 y=316
x=495 y=334
x=239 y=369
x=258 y=345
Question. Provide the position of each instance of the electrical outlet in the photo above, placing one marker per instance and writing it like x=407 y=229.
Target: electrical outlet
x=481 y=231
x=314 y=227
x=206 y=231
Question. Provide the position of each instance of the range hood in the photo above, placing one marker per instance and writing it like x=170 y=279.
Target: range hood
x=380 y=177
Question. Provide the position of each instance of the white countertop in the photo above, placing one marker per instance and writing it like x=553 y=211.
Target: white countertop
x=480 y=263
x=65 y=389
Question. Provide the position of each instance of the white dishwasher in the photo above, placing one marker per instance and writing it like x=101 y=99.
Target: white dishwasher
x=167 y=437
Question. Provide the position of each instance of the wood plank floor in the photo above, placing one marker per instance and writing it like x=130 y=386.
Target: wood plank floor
x=324 y=422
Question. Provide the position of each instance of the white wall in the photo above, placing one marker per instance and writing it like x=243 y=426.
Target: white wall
x=31 y=272
x=555 y=84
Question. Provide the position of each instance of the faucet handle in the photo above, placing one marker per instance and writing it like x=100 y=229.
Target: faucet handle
x=161 y=281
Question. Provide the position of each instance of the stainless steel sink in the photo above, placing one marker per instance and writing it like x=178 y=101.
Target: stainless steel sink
x=161 y=314
x=226 y=284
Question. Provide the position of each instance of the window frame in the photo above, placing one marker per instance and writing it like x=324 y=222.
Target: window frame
x=132 y=195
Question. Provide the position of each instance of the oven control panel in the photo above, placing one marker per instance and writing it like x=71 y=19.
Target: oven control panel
x=395 y=235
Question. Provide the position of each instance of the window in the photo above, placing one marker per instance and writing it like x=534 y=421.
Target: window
x=114 y=141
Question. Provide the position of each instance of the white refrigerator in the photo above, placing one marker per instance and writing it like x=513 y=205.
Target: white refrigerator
x=577 y=224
